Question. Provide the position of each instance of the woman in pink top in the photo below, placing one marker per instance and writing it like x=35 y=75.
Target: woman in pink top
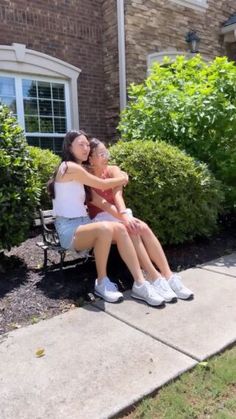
x=109 y=205
x=75 y=228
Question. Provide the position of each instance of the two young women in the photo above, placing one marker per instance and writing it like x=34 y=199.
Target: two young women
x=77 y=231
x=148 y=248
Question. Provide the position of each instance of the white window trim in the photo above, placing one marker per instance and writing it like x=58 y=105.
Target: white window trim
x=200 y=5
x=16 y=59
x=172 y=54
x=229 y=33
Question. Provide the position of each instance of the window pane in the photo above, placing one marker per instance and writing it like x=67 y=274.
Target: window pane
x=45 y=107
x=29 y=88
x=7 y=86
x=10 y=102
x=60 y=125
x=54 y=144
x=58 y=145
x=31 y=124
x=35 y=141
x=47 y=143
x=44 y=89
x=59 y=108
x=46 y=125
x=58 y=91
x=30 y=106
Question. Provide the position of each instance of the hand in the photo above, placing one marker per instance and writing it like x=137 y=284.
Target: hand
x=131 y=224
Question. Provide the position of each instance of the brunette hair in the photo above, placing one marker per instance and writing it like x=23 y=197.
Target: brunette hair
x=94 y=143
x=66 y=156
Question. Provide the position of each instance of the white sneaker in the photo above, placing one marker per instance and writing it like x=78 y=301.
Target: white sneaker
x=180 y=290
x=164 y=290
x=148 y=293
x=107 y=290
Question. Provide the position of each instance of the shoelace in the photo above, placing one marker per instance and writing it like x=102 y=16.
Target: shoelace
x=177 y=281
x=110 y=286
x=163 y=284
x=150 y=289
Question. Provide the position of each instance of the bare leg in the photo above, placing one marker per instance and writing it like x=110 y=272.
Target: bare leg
x=144 y=258
x=99 y=237
x=154 y=250
x=127 y=251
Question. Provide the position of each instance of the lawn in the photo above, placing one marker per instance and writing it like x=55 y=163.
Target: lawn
x=208 y=391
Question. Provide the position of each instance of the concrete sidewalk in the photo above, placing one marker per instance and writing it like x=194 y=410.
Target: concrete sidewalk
x=103 y=357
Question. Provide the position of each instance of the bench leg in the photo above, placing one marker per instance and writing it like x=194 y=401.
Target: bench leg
x=63 y=255
x=45 y=262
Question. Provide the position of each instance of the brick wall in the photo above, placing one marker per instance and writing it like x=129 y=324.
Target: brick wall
x=84 y=34
x=156 y=25
x=70 y=30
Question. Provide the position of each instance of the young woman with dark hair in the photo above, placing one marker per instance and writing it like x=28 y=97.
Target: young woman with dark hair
x=147 y=246
x=75 y=229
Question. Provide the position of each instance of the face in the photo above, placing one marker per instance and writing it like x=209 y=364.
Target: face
x=80 y=148
x=100 y=156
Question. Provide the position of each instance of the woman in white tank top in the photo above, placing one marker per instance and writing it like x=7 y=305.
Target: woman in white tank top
x=77 y=231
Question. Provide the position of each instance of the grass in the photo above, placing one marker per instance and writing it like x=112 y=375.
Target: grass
x=208 y=391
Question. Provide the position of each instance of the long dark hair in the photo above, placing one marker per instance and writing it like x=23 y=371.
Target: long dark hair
x=66 y=156
x=94 y=143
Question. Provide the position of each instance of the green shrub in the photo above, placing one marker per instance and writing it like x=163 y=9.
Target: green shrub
x=176 y=196
x=18 y=183
x=191 y=104
x=45 y=162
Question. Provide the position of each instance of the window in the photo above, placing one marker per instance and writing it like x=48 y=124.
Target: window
x=41 y=106
x=171 y=53
x=41 y=92
x=194 y=4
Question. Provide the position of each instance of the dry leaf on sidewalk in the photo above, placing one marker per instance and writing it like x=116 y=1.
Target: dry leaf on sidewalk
x=40 y=352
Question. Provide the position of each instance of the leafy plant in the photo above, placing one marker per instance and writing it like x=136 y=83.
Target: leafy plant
x=45 y=162
x=178 y=197
x=19 y=189
x=191 y=104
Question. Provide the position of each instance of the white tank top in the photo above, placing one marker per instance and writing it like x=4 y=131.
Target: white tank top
x=69 y=200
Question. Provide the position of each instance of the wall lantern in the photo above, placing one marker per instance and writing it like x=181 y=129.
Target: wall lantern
x=193 y=40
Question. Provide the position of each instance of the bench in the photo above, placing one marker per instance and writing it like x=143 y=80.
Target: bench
x=45 y=219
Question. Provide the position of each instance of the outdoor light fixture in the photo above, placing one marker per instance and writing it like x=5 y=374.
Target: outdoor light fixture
x=193 y=40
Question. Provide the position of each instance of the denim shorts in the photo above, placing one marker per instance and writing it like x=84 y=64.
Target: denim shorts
x=66 y=228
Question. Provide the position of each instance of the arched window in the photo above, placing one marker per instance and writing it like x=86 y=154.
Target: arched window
x=200 y=5
x=42 y=92
x=171 y=53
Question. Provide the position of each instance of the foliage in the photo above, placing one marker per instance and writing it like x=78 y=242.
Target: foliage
x=176 y=196
x=18 y=183
x=45 y=162
x=191 y=104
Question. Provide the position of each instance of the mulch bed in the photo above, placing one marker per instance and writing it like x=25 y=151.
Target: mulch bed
x=28 y=295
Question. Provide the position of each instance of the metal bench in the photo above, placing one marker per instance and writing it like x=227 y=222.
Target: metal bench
x=45 y=219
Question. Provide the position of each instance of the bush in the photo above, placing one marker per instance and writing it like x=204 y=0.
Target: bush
x=45 y=162
x=176 y=196
x=18 y=183
x=191 y=104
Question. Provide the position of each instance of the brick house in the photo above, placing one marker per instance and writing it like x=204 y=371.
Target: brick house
x=67 y=63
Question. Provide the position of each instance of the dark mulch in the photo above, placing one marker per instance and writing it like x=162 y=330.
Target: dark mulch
x=27 y=294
